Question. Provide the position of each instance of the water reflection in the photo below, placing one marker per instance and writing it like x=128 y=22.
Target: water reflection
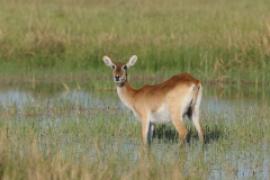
x=15 y=98
x=80 y=98
x=75 y=101
x=85 y=100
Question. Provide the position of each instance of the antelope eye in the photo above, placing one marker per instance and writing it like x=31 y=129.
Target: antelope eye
x=124 y=67
x=113 y=66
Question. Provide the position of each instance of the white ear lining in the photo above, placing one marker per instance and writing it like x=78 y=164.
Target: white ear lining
x=108 y=61
x=132 y=61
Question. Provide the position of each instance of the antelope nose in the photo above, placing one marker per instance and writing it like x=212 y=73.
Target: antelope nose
x=117 y=77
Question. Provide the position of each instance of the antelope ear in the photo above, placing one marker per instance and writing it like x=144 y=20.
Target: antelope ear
x=108 y=61
x=132 y=61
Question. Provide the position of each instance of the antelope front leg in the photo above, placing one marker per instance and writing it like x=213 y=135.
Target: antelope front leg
x=146 y=130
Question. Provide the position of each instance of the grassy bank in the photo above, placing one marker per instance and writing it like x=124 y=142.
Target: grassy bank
x=60 y=117
x=213 y=39
x=62 y=141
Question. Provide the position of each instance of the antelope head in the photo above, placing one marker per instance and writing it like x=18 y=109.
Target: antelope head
x=119 y=70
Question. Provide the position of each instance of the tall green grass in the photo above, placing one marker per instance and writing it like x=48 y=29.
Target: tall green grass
x=220 y=40
x=47 y=47
x=107 y=145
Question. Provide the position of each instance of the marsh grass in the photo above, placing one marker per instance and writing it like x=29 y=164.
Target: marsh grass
x=53 y=49
x=62 y=141
x=215 y=40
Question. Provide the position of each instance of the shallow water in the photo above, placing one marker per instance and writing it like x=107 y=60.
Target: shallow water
x=249 y=162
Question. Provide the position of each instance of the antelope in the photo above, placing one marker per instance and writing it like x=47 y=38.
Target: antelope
x=168 y=101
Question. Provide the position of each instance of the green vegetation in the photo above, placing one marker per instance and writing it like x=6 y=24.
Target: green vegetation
x=217 y=40
x=66 y=141
x=60 y=119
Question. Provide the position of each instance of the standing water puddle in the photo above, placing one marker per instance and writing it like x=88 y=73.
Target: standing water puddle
x=242 y=164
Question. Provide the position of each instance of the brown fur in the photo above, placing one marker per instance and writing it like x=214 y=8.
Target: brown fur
x=150 y=99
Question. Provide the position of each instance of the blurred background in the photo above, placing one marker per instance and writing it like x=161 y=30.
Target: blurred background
x=216 y=40
x=60 y=117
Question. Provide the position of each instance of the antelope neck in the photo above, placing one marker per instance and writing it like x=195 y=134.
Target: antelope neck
x=126 y=94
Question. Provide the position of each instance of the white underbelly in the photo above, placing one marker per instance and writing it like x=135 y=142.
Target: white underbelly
x=162 y=115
